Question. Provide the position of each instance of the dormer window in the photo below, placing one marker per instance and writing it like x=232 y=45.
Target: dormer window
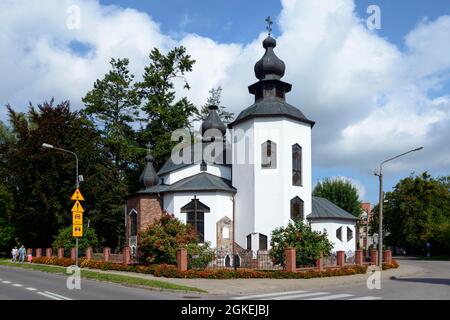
x=269 y=155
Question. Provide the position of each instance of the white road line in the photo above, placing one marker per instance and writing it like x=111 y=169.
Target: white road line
x=333 y=296
x=295 y=296
x=17 y=285
x=57 y=295
x=6 y=282
x=31 y=289
x=366 y=298
x=49 y=296
x=268 y=295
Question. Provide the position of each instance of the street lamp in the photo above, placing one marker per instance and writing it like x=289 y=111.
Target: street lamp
x=49 y=146
x=380 y=204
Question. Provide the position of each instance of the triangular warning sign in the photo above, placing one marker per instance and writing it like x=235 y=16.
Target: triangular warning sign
x=77 y=207
x=77 y=196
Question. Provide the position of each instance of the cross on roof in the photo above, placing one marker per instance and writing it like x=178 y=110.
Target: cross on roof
x=269 y=25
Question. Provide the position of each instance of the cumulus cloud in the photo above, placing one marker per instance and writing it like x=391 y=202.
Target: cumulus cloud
x=370 y=98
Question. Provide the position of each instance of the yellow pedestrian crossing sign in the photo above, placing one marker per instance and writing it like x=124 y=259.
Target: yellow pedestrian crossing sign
x=77 y=207
x=77 y=230
x=77 y=218
x=77 y=196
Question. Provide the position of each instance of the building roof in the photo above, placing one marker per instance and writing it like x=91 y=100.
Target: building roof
x=325 y=209
x=149 y=177
x=213 y=121
x=200 y=182
x=271 y=107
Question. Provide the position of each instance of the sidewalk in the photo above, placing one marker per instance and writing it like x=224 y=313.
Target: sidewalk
x=258 y=286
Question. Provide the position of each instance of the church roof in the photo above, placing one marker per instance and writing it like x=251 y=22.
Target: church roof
x=271 y=107
x=195 y=205
x=213 y=121
x=325 y=209
x=200 y=182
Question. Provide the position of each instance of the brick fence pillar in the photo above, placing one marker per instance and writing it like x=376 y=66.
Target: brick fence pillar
x=373 y=257
x=126 y=255
x=29 y=251
x=89 y=253
x=291 y=259
x=182 y=259
x=359 y=257
x=106 y=254
x=73 y=253
x=38 y=252
x=319 y=263
x=60 y=253
x=340 y=258
x=48 y=252
x=387 y=256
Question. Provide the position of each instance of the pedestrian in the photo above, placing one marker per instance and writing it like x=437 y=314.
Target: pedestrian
x=14 y=253
x=22 y=252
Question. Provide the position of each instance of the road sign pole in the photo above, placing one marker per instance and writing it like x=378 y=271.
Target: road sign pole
x=76 y=251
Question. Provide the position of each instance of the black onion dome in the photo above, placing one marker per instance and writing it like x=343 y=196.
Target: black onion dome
x=149 y=178
x=213 y=121
x=269 y=67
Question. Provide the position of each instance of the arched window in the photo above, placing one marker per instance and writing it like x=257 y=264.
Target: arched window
x=297 y=211
x=133 y=223
x=269 y=155
x=297 y=165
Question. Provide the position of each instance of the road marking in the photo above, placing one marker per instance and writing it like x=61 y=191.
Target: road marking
x=31 y=289
x=17 y=285
x=268 y=295
x=49 y=296
x=57 y=295
x=333 y=296
x=295 y=296
x=6 y=282
x=366 y=298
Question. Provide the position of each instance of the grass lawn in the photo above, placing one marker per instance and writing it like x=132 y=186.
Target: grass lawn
x=101 y=276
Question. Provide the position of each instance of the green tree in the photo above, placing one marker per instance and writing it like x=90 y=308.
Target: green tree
x=65 y=240
x=215 y=98
x=341 y=192
x=163 y=113
x=308 y=244
x=6 y=226
x=416 y=212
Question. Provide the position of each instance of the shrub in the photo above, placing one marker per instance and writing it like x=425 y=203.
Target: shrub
x=65 y=240
x=199 y=255
x=308 y=244
x=393 y=265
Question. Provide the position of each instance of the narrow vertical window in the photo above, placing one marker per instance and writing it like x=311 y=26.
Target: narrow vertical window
x=197 y=221
x=297 y=165
x=297 y=209
x=262 y=242
x=133 y=223
x=339 y=234
x=349 y=234
x=249 y=242
x=269 y=155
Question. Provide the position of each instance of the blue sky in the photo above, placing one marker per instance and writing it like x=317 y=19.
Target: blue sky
x=372 y=94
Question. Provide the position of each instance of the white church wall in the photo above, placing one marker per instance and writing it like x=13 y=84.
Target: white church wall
x=243 y=150
x=331 y=226
x=177 y=175
x=220 y=204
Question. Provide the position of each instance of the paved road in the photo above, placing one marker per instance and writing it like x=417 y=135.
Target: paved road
x=431 y=284
x=17 y=283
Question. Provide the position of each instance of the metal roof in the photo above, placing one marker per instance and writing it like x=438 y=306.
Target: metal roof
x=325 y=209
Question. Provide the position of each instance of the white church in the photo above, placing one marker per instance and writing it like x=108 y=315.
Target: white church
x=253 y=177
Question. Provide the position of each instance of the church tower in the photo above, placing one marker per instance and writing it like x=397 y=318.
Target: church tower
x=271 y=157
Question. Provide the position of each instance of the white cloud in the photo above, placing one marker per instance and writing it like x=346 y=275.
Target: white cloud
x=370 y=99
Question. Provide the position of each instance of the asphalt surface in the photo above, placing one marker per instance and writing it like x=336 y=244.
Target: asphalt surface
x=24 y=284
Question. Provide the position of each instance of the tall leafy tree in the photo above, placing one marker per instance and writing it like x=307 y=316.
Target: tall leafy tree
x=6 y=225
x=163 y=113
x=215 y=98
x=341 y=192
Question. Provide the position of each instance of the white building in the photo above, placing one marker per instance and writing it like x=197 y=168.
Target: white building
x=261 y=178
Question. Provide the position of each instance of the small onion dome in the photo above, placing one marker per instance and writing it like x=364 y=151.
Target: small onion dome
x=213 y=121
x=149 y=178
x=269 y=67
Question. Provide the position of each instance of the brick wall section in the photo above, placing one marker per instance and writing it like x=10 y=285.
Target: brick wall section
x=89 y=253
x=73 y=253
x=38 y=252
x=387 y=256
x=106 y=254
x=29 y=251
x=373 y=257
x=60 y=252
x=182 y=259
x=319 y=263
x=359 y=257
x=48 y=252
x=290 y=256
x=126 y=255
x=340 y=258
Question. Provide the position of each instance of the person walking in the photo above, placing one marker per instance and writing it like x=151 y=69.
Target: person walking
x=14 y=253
x=22 y=252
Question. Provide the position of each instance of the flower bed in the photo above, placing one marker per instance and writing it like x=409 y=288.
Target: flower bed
x=171 y=271
x=393 y=265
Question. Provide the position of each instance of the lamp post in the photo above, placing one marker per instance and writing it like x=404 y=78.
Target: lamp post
x=380 y=204
x=49 y=146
